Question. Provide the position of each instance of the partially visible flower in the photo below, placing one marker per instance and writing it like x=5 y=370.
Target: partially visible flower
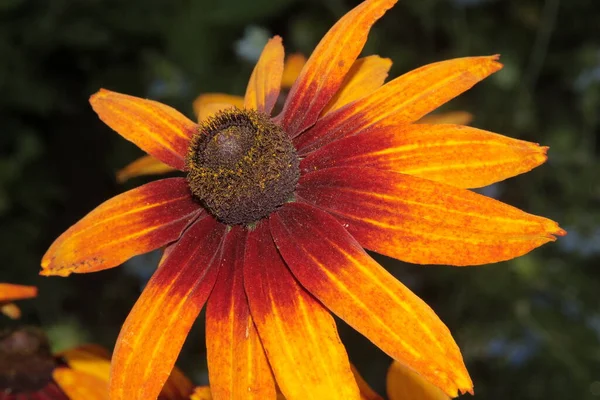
x=28 y=370
x=10 y=292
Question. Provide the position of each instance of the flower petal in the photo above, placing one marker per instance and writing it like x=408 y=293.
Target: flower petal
x=154 y=127
x=10 y=292
x=333 y=266
x=237 y=364
x=160 y=320
x=11 y=310
x=265 y=81
x=146 y=165
x=208 y=104
x=299 y=335
x=400 y=101
x=291 y=69
x=453 y=154
x=326 y=68
x=366 y=75
x=366 y=392
x=450 y=117
x=90 y=359
x=403 y=384
x=132 y=223
x=424 y=222
x=78 y=385
x=177 y=387
x=202 y=393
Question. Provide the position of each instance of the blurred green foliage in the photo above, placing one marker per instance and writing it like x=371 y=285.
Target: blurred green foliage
x=529 y=328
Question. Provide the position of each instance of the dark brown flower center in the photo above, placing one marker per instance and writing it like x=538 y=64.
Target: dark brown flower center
x=26 y=363
x=242 y=166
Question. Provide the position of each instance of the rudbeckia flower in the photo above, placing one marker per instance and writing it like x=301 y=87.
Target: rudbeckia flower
x=29 y=371
x=270 y=225
x=10 y=292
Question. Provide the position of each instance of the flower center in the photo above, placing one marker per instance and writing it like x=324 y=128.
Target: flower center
x=26 y=363
x=241 y=166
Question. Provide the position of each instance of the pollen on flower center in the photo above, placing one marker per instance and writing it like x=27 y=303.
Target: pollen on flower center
x=241 y=166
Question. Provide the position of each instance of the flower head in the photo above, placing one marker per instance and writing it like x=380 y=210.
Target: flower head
x=269 y=227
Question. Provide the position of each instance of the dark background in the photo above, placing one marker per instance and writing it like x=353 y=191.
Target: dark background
x=528 y=328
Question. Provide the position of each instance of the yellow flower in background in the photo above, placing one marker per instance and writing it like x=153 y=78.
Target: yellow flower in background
x=269 y=228
x=10 y=292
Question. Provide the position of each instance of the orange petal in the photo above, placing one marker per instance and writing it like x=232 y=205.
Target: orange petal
x=453 y=154
x=10 y=292
x=202 y=393
x=177 y=387
x=265 y=81
x=160 y=320
x=403 y=100
x=156 y=128
x=299 y=335
x=90 y=359
x=146 y=165
x=208 y=104
x=424 y=222
x=404 y=384
x=366 y=392
x=132 y=223
x=11 y=310
x=291 y=69
x=451 y=117
x=78 y=385
x=334 y=267
x=366 y=75
x=237 y=364
x=326 y=68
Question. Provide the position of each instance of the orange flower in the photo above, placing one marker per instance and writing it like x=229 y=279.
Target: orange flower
x=10 y=292
x=29 y=371
x=268 y=228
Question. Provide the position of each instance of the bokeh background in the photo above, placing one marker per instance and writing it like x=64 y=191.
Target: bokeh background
x=528 y=328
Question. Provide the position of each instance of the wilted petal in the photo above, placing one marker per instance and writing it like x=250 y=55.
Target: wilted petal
x=132 y=223
x=146 y=165
x=152 y=335
x=326 y=68
x=237 y=364
x=453 y=154
x=334 y=268
x=405 y=384
x=424 y=222
x=78 y=385
x=402 y=100
x=298 y=334
x=366 y=75
x=208 y=104
x=10 y=292
x=156 y=128
x=265 y=81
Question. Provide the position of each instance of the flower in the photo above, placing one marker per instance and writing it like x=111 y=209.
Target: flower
x=268 y=228
x=28 y=370
x=10 y=292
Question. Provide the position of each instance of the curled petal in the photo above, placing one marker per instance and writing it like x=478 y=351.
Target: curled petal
x=403 y=384
x=146 y=165
x=299 y=335
x=265 y=81
x=10 y=292
x=208 y=104
x=152 y=335
x=334 y=268
x=366 y=75
x=453 y=154
x=424 y=222
x=156 y=128
x=291 y=69
x=326 y=68
x=78 y=385
x=403 y=100
x=132 y=223
x=237 y=364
